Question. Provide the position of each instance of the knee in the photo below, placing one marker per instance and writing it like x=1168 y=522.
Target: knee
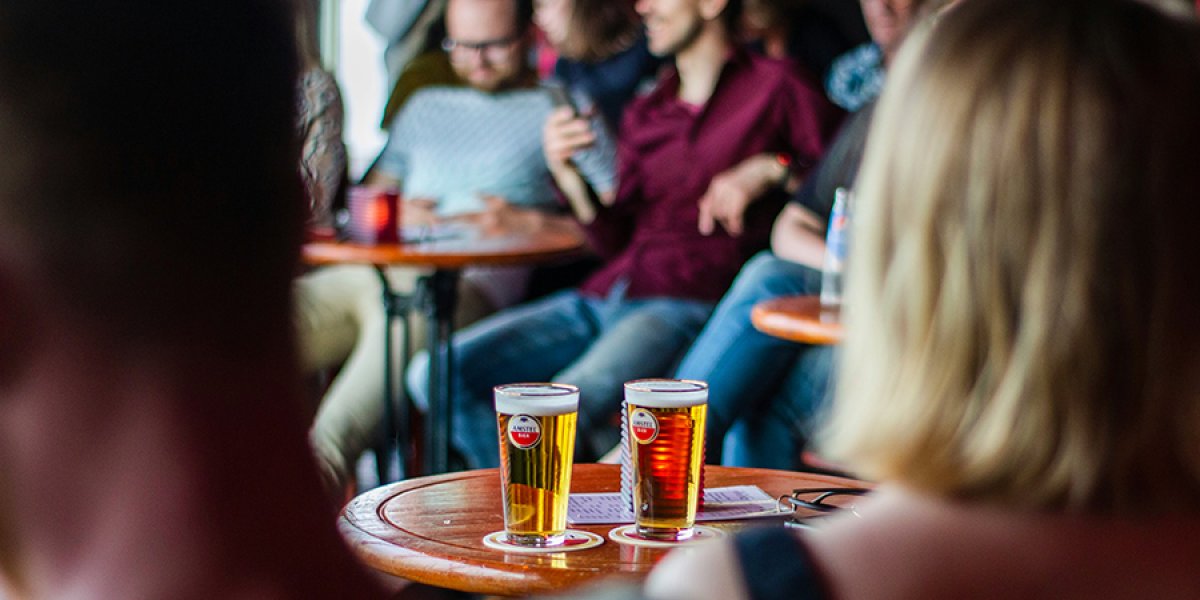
x=768 y=276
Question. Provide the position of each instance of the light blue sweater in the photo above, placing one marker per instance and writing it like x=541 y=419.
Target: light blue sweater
x=454 y=144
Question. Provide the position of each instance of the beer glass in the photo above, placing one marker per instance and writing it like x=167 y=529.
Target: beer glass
x=666 y=437
x=537 y=446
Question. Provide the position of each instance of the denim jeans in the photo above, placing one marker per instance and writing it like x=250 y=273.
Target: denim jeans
x=774 y=437
x=596 y=344
x=746 y=369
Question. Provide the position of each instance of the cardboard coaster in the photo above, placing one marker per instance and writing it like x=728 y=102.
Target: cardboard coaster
x=575 y=540
x=627 y=534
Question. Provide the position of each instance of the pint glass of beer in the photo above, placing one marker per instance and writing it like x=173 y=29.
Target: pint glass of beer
x=666 y=438
x=537 y=448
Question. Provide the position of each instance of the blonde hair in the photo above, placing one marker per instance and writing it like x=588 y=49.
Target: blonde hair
x=1022 y=303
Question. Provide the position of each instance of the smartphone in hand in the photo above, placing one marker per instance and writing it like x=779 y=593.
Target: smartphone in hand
x=560 y=96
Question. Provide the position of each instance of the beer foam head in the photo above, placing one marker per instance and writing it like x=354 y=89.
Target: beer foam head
x=536 y=399
x=666 y=393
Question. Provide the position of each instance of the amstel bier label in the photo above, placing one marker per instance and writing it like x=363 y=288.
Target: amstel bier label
x=644 y=426
x=524 y=431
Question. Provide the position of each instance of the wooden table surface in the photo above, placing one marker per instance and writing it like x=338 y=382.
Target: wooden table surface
x=430 y=530
x=798 y=319
x=471 y=248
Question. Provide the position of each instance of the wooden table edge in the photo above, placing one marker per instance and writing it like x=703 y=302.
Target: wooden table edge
x=765 y=319
x=367 y=538
x=330 y=253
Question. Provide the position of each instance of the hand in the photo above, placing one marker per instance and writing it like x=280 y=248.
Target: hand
x=419 y=212
x=499 y=217
x=563 y=135
x=731 y=192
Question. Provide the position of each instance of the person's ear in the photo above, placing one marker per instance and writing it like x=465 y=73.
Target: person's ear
x=712 y=9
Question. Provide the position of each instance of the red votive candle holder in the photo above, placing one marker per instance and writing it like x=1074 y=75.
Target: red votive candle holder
x=374 y=215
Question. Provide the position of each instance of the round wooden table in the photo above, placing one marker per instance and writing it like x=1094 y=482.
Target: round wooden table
x=799 y=319
x=447 y=257
x=471 y=248
x=430 y=530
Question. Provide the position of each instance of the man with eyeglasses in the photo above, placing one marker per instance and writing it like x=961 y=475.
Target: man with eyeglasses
x=470 y=152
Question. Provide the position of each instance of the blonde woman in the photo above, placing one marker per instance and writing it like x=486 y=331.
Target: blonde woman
x=1020 y=372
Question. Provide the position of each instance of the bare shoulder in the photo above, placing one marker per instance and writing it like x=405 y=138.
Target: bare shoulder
x=906 y=546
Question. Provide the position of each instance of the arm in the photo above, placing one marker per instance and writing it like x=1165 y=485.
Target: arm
x=562 y=137
x=500 y=217
x=731 y=192
x=798 y=236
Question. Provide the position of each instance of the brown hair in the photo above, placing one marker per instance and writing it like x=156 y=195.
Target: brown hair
x=598 y=29
x=1021 y=317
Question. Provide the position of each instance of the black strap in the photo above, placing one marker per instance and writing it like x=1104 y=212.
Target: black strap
x=776 y=564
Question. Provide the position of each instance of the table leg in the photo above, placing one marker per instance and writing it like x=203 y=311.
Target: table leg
x=395 y=418
x=440 y=301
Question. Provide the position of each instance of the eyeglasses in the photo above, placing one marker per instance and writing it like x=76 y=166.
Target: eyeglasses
x=490 y=50
x=823 y=501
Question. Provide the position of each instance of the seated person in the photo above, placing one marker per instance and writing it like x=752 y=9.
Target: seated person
x=691 y=207
x=856 y=77
x=1021 y=354
x=469 y=152
x=152 y=441
x=765 y=392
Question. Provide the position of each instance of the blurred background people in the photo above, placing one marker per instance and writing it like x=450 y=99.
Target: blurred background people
x=767 y=394
x=856 y=77
x=809 y=32
x=1019 y=369
x=470 y=152
x=690 y=208
x=149 y=424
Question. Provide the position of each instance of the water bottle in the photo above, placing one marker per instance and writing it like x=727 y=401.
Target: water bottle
x=836 y=242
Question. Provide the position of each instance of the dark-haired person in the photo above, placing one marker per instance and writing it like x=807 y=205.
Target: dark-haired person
x=1021 y=354
x=809 y=33
x=700 y=180
x=151 y=427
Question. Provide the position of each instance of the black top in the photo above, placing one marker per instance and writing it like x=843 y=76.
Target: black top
x=775 y=564
x=838 y=167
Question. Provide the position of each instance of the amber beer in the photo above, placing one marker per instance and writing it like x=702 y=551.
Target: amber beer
x=537 y=447
x=666 y=436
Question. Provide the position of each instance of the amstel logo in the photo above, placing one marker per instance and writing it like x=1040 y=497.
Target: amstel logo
x=524 y=431
x=644 y=425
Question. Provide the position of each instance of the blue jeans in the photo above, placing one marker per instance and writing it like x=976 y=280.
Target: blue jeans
x=774 y=437
x=595 y=343
x=746 y=369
